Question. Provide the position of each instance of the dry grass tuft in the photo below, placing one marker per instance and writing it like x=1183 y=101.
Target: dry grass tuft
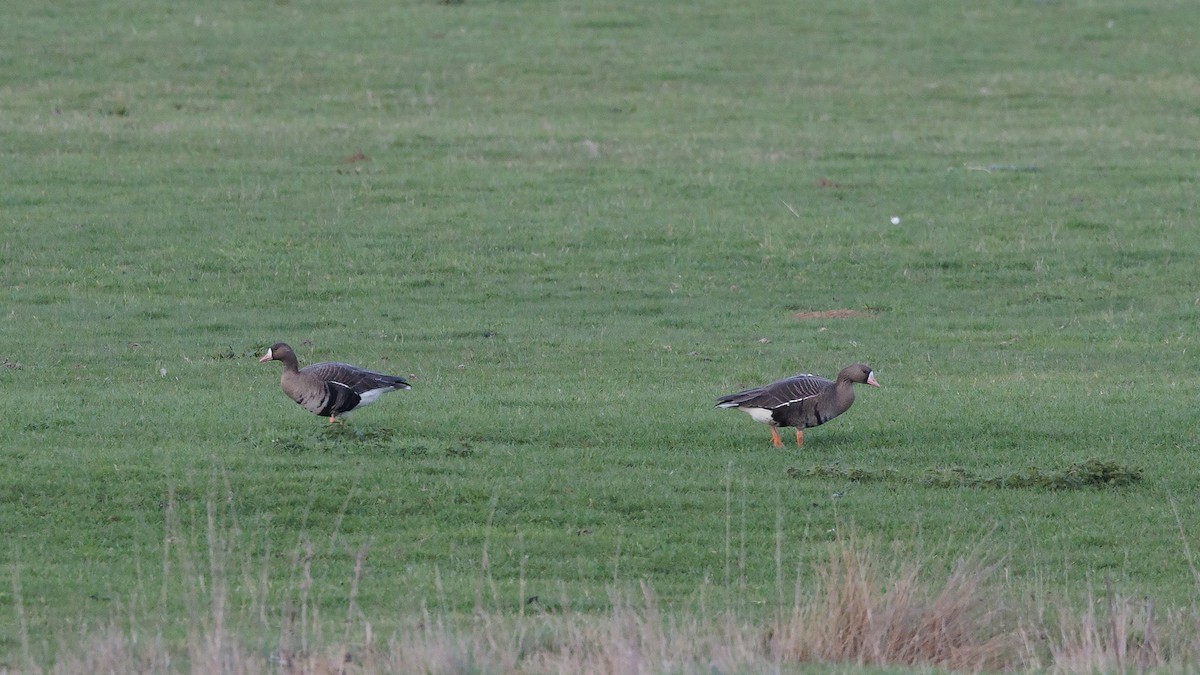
x=866 y=609
x=1112 y=635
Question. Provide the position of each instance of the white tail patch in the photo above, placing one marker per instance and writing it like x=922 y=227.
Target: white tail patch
x=370 y=396
x=759 y=415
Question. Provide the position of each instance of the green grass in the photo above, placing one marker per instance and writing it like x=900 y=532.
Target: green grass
x=576 y=226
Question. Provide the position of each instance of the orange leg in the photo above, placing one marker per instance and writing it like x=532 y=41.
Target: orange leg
x=332 y=419
x=775 y=438
x=799 y=438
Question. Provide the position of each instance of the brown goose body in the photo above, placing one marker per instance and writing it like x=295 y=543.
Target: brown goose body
x=802 y=401
x=330 y=389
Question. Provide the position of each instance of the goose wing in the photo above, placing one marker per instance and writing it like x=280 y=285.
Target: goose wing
x=357 y=380
x=779 y=394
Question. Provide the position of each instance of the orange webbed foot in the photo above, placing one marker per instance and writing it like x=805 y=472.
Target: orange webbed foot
x=775 y=438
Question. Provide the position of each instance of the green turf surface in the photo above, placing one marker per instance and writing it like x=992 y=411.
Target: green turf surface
x=573 y=225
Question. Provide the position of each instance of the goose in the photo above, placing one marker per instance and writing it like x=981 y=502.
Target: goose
x=331 y=389
x=802 y=401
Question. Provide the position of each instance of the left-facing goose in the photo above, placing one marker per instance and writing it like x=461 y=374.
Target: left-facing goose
x=331 y=389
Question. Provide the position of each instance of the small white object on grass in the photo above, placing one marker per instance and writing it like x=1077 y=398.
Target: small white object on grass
x=895 y=220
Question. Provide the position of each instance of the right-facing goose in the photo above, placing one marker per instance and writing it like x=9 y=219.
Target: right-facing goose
x=802 y=401
x=331 y=389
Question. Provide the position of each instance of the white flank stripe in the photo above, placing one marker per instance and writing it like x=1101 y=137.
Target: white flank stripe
x=795 y=400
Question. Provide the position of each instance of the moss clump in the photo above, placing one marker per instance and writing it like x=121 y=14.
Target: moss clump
x=1093 y=472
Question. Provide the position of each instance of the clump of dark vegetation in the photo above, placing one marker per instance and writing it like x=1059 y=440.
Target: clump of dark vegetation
x=460 y=450
x=854 y=474
x=345 y=433
x=335 y=438
x=228 y=352
x=1093 y=472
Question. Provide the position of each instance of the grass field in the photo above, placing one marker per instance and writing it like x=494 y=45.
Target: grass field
x=573 y=225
